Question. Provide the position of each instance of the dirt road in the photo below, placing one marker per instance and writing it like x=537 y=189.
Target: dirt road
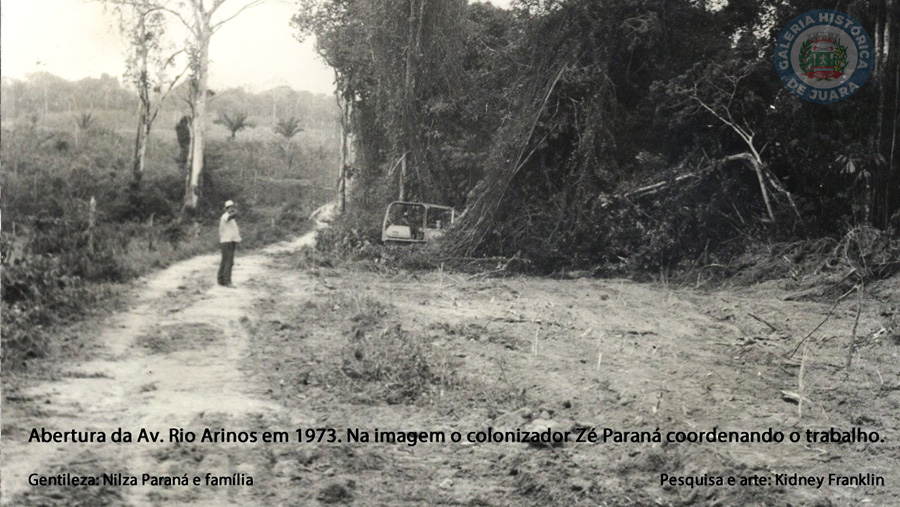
x=299 y=345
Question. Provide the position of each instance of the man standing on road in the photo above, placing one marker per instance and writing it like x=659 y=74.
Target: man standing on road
x=229 y=237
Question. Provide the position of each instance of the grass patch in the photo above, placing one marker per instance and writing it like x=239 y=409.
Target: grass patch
x=394 y=366
x=474 y=331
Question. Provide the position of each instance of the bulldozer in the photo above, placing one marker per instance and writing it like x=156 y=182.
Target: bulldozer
x=415 y=222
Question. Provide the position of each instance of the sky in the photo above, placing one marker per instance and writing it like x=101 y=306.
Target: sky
x=255 y=51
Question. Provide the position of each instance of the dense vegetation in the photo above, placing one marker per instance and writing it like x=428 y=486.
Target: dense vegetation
x=545 y=122
x=67 y=145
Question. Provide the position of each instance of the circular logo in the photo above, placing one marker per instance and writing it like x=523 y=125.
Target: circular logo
x=823 y=56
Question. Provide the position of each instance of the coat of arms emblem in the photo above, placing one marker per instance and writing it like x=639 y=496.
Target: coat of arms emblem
x=822 y=57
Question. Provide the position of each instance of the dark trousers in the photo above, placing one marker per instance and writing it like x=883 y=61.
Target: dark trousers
x=227 y=262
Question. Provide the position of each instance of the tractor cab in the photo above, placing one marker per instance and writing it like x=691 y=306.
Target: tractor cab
x=415 y=222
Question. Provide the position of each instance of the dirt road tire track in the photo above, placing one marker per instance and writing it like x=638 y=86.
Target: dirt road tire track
x=173 y=360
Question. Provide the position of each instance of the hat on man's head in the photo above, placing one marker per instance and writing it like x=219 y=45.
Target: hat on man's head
x=228 y=204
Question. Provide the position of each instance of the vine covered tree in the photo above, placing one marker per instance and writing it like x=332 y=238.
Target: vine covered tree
x=399 y=71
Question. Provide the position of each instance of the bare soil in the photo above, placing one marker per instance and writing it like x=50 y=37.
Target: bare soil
x=301 y=346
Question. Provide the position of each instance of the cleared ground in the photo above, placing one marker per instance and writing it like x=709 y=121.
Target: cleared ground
x=298 y=345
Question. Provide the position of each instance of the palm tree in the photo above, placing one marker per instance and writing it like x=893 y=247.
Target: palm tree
x=234 y=124
x=288 y=129
x=83 y=122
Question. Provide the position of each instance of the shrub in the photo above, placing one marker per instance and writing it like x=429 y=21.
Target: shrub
x=37 y=292
x=396 y=366
x=131 y=204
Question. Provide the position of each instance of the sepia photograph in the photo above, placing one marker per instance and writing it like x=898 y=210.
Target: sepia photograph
x=605 y=253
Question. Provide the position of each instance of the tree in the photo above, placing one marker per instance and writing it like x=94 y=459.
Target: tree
x=399 y=74
x=234 y=124
x=346 y=159
x=143 y=24
x=201 y=19
x=341 y=42
x=83 y=122
x=201 y=27
x=720 y=99
x=288 y=128
x=886 y=77
x=720 y=90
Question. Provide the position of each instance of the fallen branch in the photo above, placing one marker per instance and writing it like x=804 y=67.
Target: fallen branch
x=652 y=189
x=793 y=397
x=801 y=387
x=777 y=186
x=764 y=321
x=513 y=321
x=827 y=316
x=859 y=296
x=486 y=274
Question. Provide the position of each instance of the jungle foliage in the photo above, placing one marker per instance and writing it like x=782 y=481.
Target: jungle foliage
x=547 y=122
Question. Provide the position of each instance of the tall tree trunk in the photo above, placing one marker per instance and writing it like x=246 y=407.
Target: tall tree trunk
x=143 y=88
x=199 y=117
x=887 y=75
x=290 y=152
x=92 y=221
x=891 y=36
x=403 y=178
x=891 y=200
x=188 y=164
x=344 y=104
x=412 y=52
x=184 y=136
x=140 y=152
x=881 y=30
x=140 y=139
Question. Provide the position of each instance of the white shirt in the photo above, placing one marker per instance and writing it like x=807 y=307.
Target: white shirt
x=228 y=229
